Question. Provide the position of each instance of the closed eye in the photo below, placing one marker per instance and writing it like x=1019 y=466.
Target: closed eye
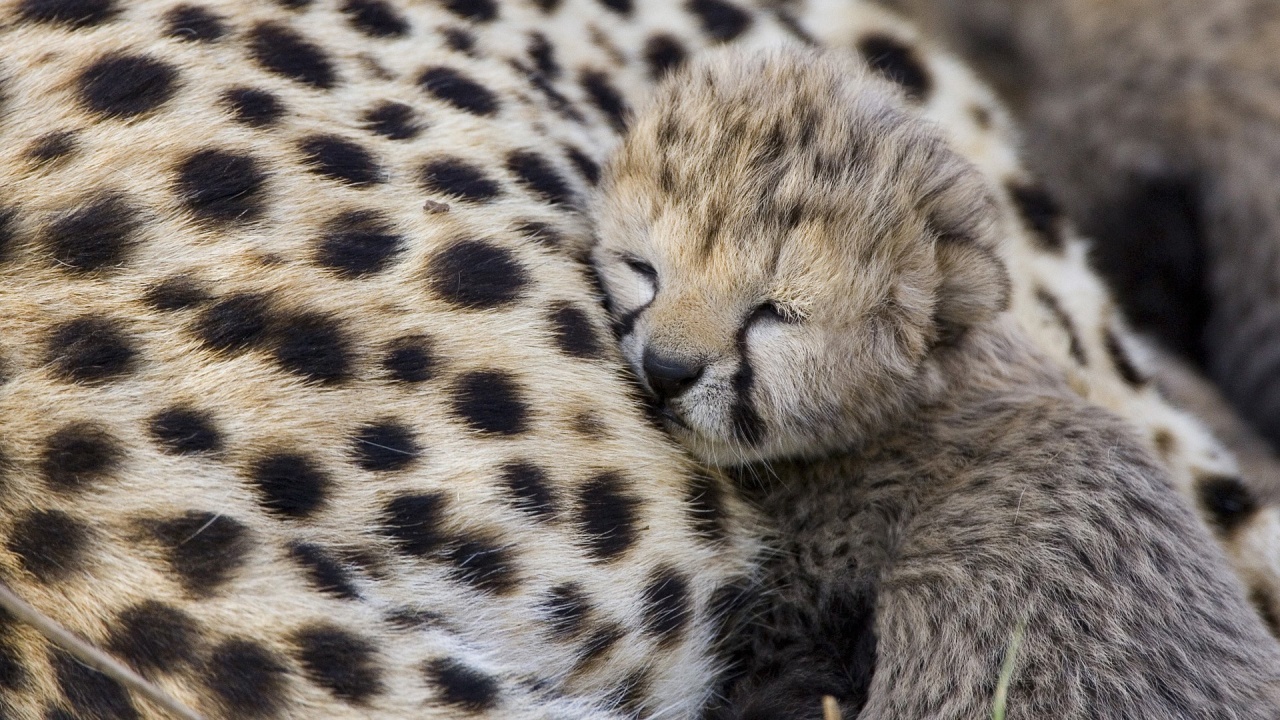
x=773 y=312
x=641 y=267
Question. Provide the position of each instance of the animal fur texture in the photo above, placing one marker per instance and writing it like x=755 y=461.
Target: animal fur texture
x=808 y=279
x=1157 y=124
x=307 y=405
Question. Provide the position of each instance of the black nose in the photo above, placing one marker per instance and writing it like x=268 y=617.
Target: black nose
x=668 y=376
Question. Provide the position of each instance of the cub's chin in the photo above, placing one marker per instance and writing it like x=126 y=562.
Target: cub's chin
x=722 y=449
x=717 y=451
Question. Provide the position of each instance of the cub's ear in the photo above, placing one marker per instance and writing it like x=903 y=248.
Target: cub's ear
x=963 y=216
x=975 y=286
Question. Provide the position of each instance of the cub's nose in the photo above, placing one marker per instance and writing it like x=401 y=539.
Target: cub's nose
x=669 y=376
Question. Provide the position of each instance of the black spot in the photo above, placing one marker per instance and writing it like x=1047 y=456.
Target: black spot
x=90 y=349
x=393 y=120
x=8 y=218
x=490 y=402
x=290 y=484
x=483 y=564
x=573 y=331
x=555 y=99
x=720 y=20
x=547 y=6
x=526 y=483
x=666 y=600
x=204 y=549
x=450 y=176
x=1261 y=601
x=597 y=644
x=49 y=544
x=1150 y=245
x=293 y=4
x=706 y=501
x=248 y=680
x=410 y=359
x=413 y=522
x=663 y=53
x=1120 y=358
x=458 y=90
x=622 y=7
x=93 y=236
x=280 y=50
x=534 y=172
x=74 y=13
x=459 y=39
x=629 y=695
x=462 y=686
x=414 y=619
x=589 y=169
x=477 y=275
x=608 y=515
x=981 y=116
x=50 y=147
x=234 y=323
x=255 y=108
x=325 y=573
x=375 y=18
x=340 y=159
x=176 y=293
x=543 y=54
x=154 y=637
x=1074 y=346
x=474 y=10
x=314 y=346
x=13 y=673
x=602 y=94
x=92 y=695
x=385 y=445
x=343 y=663
x=79 y=455
x=189 y=22
x=221 y=186
x=566 y=610
x=358 y=243
x=184 y=430
x=540 y=232
x=1040 y=212
x=897 y=62
x=120 y=85
x=589 y=425
x=1229 y=502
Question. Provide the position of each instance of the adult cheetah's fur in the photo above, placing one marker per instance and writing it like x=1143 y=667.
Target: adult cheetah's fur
x=307 y=407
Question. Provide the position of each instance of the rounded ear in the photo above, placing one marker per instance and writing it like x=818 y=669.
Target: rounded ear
x=975 y=286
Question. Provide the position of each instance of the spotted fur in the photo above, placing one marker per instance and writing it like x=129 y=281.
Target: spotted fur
x=783 y=217
x=307 y=407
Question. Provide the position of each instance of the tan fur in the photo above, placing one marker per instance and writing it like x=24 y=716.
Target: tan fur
x=912 y=412
x=412 y=608
x=583 y=420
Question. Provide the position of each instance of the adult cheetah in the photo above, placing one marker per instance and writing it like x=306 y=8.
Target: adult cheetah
x=307 y=403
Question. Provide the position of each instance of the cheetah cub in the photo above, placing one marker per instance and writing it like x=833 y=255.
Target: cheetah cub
x=806 y=278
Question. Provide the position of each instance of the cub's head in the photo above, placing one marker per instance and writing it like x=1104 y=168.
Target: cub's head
x=784 y=246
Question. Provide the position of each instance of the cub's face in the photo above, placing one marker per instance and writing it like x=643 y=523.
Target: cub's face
x=782 y=247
